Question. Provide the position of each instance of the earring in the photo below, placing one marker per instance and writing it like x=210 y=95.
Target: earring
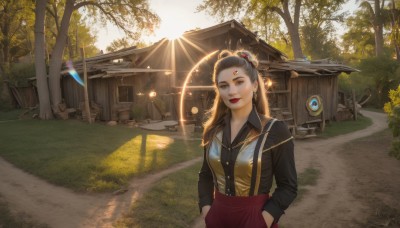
x=255 y=95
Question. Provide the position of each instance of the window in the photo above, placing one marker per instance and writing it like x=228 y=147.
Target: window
x=125 y=93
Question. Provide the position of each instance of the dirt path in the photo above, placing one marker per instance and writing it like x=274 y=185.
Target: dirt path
x=330 y=203
x=60 y=207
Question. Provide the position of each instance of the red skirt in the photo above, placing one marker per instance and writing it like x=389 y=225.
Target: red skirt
x=237 y=211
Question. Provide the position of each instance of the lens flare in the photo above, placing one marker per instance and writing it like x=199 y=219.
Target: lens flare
x=74 y=74
x=188 y=76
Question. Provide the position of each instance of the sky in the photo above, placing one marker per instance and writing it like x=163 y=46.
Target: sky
x=177 y=16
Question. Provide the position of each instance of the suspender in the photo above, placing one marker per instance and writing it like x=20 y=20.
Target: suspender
x=258 y=152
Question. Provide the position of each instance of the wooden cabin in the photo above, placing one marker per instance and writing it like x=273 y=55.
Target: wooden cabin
x=122 y=81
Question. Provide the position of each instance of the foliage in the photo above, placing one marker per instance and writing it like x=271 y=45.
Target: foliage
x=385 y=75
x=16 y=17
x=20 y=73
x=266 y=17
x=132 y=16
x=358 y=41
x=79 y=33
x=119 y=44
x=138 y=113
x=356 y=81
x=392 y=108
x=318 y=33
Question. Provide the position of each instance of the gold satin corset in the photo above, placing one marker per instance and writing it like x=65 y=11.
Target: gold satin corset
x=243 y=165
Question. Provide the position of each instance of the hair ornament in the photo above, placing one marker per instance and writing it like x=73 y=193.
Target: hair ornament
x=246 y=56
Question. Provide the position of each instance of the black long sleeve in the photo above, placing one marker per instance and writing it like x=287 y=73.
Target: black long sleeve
x=284 y=171
x=205 y=184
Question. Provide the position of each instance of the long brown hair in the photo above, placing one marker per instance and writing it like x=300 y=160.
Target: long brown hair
x=248 y=62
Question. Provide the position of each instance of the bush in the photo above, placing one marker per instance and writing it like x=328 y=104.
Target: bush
x=19 y=74
x=137 y=113
x=392 y=108
x=380 y=74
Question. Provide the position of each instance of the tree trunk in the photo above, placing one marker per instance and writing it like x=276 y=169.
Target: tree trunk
x=293 y=26
x=57 y=56
x=378 y=28
x=395 y=30
x=295 y=39
x=40 y=62
x=5 y=55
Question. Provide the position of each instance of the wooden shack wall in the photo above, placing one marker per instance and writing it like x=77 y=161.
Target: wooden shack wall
x=104 y=92
x=26 y=97
x=304 y=87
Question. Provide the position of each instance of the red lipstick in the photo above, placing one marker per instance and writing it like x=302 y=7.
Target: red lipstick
x=234 y=100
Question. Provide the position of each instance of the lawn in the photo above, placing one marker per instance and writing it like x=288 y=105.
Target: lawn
x=334 y=128
x=170 y=203
x=94 y=158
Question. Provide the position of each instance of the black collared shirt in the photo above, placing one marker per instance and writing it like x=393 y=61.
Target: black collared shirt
x=277 y=160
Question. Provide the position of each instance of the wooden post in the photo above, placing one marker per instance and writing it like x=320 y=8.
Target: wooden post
x=85 y=88
x=354 y=105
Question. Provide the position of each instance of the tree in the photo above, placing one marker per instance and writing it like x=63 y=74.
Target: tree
x=119 y=44
x=40 y=61
x=358 y=41
x=288 y=11
x=318 y=32
x=132 y=16
x=15 y=15
x=376 y=10
x=395 y=28
x=226 y=8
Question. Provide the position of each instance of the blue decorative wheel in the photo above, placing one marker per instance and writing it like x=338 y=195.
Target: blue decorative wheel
x=314 y=105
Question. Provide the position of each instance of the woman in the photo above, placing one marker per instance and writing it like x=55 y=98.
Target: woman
x=243 y=149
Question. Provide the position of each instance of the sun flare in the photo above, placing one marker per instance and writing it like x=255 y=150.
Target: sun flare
x=171 y=27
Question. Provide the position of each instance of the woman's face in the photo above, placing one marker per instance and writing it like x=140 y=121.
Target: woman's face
x=235 y=88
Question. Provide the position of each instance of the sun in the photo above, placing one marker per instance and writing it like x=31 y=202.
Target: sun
x=172 y=27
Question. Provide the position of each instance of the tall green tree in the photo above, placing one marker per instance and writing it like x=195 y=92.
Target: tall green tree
x=375 y=9
x=394 y=16
x=15 y=16
x=358 y=41
x=288 y=10
x=318 y=31
x=132 y=16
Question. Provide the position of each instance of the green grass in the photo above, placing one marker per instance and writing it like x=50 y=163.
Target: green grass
x=10 y=114
x=87 y=157
x=343 y=127
x=172 y=202
x=308 y=177
x=9 y=219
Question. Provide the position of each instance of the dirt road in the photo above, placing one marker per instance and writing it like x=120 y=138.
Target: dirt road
x=330 y=203
x=60 y=207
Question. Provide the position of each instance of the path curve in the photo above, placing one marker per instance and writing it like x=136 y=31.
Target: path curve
x=331 y=203
x=61 y=207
